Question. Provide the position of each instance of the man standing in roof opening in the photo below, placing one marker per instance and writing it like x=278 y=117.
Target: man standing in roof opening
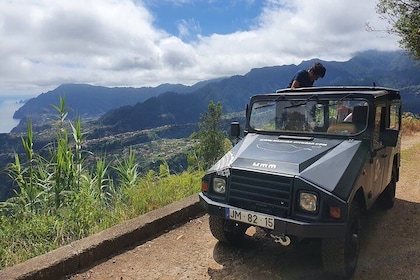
x=306 y=78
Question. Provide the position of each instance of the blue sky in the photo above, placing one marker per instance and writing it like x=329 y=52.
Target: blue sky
x=192 y=18
x=137 y=43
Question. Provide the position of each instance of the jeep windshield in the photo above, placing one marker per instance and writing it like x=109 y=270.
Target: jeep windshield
x=345 y=116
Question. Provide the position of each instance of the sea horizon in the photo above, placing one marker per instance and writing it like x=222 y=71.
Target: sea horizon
x=7 y=109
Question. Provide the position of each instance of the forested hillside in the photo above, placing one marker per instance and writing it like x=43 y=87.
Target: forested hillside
x=90 y=101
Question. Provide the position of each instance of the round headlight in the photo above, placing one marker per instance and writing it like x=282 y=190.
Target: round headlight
x=308 y=202
x=219 y=185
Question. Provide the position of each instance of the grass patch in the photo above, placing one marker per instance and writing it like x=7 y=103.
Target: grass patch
x=152 y=193
x=411 y=154
x=410 y=124
x=26 y=235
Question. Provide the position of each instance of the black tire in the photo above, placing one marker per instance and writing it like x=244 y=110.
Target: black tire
x=387 y=198
x=340 y=255
x=227 y=231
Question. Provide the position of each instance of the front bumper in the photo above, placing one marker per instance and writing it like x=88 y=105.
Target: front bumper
x=283 y=226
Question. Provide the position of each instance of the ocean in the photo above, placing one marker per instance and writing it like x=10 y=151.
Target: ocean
x=7 y=109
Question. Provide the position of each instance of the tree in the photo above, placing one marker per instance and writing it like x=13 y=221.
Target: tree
x=404 y=18
x=211 y=137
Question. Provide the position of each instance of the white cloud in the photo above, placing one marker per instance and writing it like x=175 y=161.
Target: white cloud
x=188 y=27
x=115 y=43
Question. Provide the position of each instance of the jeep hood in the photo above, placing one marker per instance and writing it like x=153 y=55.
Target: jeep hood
x=322 y=161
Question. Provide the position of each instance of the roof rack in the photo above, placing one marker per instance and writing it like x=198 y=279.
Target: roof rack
x=334 y=88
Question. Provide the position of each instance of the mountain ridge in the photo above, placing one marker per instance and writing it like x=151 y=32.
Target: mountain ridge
x=92 y=101
x=393 y=69
x=127 y=109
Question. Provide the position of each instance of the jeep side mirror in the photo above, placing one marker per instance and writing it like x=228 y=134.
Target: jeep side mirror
x=389 y=137
x=235 y=129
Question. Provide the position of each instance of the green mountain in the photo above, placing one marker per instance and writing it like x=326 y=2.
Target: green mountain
x=90 y=102
x=387 y=69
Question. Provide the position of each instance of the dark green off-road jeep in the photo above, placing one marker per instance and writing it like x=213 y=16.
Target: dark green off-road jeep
x=310 y=162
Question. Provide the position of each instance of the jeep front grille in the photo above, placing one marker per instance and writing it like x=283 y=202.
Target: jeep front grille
x=264 y=193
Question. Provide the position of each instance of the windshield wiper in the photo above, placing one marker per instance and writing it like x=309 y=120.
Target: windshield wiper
x=346 y=96
x=264 y=106
x=303 y=103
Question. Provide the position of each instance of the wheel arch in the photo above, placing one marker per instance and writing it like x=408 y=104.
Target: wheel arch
x=359 y=198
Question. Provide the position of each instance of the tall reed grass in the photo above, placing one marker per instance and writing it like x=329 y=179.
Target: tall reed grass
x=59 y=198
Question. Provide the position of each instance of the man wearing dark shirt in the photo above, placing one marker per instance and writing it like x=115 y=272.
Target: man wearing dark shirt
x=306 y=78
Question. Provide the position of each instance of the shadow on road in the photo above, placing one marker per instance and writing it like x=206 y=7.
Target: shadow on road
x=390 y=249
x=259 y=257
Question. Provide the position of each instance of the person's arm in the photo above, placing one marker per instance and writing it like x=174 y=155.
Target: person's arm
x=295 y=84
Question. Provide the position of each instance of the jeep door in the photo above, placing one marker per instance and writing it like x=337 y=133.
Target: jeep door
x=379 y=157
x=393 y=122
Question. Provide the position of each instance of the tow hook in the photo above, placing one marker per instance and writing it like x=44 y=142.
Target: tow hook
x=283 y=239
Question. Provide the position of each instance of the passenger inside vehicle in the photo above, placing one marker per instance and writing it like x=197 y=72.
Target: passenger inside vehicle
x=353 y=123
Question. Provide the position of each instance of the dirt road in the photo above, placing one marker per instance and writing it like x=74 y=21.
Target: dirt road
x=390 y=247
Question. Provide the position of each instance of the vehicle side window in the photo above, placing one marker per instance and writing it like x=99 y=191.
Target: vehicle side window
x=379 y=126
x=394 y=113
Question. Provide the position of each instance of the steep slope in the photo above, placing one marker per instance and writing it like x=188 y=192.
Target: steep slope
x=92 y=101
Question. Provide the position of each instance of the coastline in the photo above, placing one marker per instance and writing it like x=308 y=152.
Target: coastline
x=7 y=108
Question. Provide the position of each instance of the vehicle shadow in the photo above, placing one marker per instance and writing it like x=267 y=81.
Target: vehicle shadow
x=259 y=257
x=390 y=245
x=390 y=249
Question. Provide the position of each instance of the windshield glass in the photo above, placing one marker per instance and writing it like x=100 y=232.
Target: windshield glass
x=342 y=117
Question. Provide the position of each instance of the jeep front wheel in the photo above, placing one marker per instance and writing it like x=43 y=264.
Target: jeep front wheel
x=226 y=231
x=339 y=255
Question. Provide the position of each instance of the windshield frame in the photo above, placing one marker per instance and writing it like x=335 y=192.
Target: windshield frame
x=311 y=113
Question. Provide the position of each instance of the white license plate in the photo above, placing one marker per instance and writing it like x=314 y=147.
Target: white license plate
x=250 y=218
